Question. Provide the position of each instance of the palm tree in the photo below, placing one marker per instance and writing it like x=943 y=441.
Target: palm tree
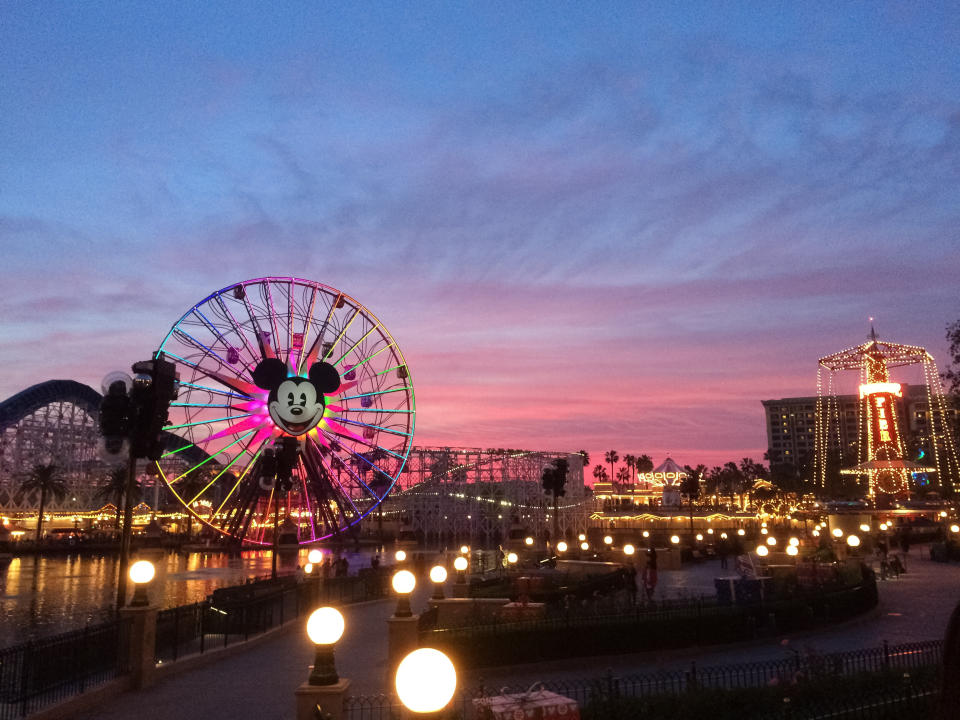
x=611 y=457
x=553 y=480
x=631 y=461
x=45 y=478
x=644 y=463
x=600 y=473
x=586 y=457
x=114 y=489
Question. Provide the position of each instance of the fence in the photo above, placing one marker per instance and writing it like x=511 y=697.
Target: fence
x=870 y=683
x=663 y=626
x=44 y=671
x=236 y=614
x=53 y=669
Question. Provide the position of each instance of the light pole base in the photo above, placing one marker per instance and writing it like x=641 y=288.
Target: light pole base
x=330 y=698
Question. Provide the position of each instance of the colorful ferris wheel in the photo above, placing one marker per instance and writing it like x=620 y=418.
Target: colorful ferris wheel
x=301 y=402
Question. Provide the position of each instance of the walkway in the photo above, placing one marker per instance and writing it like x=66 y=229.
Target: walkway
x=259 y=683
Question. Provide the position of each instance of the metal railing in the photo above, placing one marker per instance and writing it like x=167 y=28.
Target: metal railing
x=51 y=669
x=873 y=681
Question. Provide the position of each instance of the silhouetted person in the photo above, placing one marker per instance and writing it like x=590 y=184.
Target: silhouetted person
x=650 y=574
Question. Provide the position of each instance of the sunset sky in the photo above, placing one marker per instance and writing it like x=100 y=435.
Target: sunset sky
x=587 y=225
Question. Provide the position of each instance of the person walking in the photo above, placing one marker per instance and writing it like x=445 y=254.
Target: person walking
x=723 y=550
x=650 y=574
x=631 y=583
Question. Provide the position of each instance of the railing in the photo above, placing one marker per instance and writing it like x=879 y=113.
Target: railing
x=859 y=684
x=44 y=671
x=662 y=626
x=253 y=609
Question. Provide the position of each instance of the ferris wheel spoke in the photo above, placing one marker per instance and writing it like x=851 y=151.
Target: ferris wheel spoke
x=378 y=392
x=227 y=467
x=210 y=458
x=326 y=355
x=273 y=317
x=336 y=479
x=353 y=347
x=236 y=326
x=189 y=339
x=323 y=483
x=211 y=327
x=305 y=494
x=240 y=479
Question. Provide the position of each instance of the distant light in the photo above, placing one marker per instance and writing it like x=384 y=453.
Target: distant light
x=723 y=536
x=762 y=550
x=628 y=549
x=581 y=537
x=792 y=550
x=308 y=568
x=464 y=549
x=400 y=555
x=512 y=558
x=460 y=563
x=955 y=528
x=864 y=527
x=584 y=545
x=794 y=542
x=837 y=533
x=943 y=513
x=710 y=531
x=675 y=539
x=816 y=533
x=529 y=541
x=771 y=541
x=438 y=574
x=741 y=532
x=607 y=540
x=561 y=546
x=883 y=526
x=763 y=524
x=763 y=531
x=315 y=556
x=699 y=536
x=325 y=626
x=646 y=533
x=853 y=540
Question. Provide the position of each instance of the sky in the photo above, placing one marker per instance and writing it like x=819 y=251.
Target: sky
x=587 y=225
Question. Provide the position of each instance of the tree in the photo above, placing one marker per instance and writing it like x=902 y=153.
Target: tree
x=554 y=480
x=644 y=463
x=690 y=485
x=586 y=458
x=114 y=489
x=611 y=457
x=600 y=473
x=45 y=478
x=952 y=373
x=631 y=462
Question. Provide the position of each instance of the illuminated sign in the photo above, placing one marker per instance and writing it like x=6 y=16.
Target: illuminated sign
x=880 y=387
x=666 y=478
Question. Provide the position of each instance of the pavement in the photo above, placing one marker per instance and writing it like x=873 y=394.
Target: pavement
x=260 y=682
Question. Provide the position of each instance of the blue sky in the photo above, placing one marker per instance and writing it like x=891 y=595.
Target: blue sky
x=677 y=206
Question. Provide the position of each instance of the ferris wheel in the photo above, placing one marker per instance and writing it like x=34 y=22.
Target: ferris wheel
x=301 y=403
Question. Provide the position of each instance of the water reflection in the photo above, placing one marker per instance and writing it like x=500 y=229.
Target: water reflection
x=42 y=596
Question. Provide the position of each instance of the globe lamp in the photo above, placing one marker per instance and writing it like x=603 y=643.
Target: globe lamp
x=607 y=540
x=403 y=584
x=141 y=573
x=792 y=550
x=853 y=541
x=315 y=556
x=425 y=681
x=324 y=627
x=584 y=546
x=400 y=556
x=528 y=541
x=628 y=549
x=512 y=558
x=675 y=539
x=438 y=576
x=762 y=550
x=837 y=533
x=561 y=546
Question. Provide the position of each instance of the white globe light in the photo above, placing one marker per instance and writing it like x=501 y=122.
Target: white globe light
x=581 y=537
x=792 y=550
x=308 y=568
x=741 y=532
x=864 y=527
x=763 y=524
x=794 y=542
x=762 y=550
x=837 y=532
x=955 y=528
x=723 y=536
x=404 y=582
x=607 y=540
x=325 y=626
x=142 y=571
x=771 y=541
x=584 y=546
x=528 y=541
x=943 y=513
x=699 y=536
x=426 y=680
x=561 y=546
x=646 y=533
x=763 y=531
x=464 y=549
x=883 y=526
x=315 y=556
x=400 y=555
x=438 y=574
x=816 y=533
x=675 y=539
x=628 y=549
x=512 y=557
x=460 y=564
x=709 y=530
x=853 y=540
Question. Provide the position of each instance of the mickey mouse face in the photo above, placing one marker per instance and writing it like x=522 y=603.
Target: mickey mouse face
x=296 y=403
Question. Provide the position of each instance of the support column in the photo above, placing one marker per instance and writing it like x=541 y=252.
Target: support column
x=403 y=637
x=141 y=644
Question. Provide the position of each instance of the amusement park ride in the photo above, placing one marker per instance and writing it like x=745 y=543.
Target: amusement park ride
x=882 y=457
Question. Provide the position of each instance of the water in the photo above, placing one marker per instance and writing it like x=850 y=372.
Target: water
x=41 y=596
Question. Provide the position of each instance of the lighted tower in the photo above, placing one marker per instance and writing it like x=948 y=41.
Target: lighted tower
x=881 y=455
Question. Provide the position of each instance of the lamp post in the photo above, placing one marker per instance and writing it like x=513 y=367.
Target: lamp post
x=324 y=628
x=324 y=688
x=141 y=573
x=438 y=576
x=425 y=681
x=403 y=584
